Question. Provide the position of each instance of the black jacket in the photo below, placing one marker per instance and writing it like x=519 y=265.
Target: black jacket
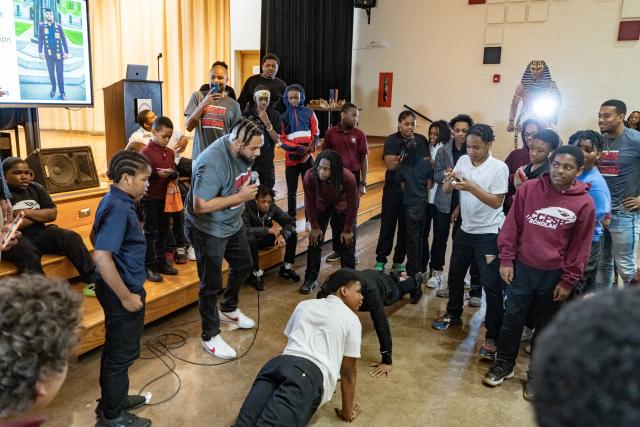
x=257 y=224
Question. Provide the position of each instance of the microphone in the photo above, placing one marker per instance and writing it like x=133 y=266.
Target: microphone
x=255 y=179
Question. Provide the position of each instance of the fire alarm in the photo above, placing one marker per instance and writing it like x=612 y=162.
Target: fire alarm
x=496 y=78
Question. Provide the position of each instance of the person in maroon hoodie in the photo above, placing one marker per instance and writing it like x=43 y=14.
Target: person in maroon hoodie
x=330 y=196
x=544 y=246
x=156 y=221
x=520 y=156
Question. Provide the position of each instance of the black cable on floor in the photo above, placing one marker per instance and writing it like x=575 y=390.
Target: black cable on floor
x=161 y=346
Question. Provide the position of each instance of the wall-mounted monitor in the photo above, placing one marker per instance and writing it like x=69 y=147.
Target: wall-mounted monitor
x=46 y=55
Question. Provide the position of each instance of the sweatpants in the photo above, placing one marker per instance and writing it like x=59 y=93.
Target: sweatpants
x=392 y=215
x=314 y=253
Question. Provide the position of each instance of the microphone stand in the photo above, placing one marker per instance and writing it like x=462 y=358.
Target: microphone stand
x=158 y=59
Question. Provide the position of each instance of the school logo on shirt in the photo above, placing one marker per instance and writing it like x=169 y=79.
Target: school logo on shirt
x=213 y=116
x=26 y=204
x=354 y=140
x=551 y=217
x=241 y=179
x=609 y=163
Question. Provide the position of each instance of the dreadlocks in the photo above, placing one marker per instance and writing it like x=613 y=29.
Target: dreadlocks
x=336 y=169
x=125 y=161
x=591 y=135
x=483 y=131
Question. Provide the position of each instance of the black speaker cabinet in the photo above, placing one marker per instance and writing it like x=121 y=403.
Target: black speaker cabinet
x=64 y=169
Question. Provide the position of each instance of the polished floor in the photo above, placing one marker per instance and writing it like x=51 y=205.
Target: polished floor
x=436 y=377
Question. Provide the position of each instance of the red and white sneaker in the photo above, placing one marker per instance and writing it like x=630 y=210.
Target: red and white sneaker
x=219 y=348
x=238 y=319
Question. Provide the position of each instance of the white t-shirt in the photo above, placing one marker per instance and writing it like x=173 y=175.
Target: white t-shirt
x=143 y=135
x=323 y=331
x=493 y=177
x=432 y=152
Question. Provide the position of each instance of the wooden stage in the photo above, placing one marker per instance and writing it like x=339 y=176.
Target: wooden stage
x=76 y=210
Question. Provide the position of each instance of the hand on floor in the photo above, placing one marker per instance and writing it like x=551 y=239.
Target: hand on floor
x=379 y=369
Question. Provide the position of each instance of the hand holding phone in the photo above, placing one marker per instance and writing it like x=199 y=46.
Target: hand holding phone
x=13 y=229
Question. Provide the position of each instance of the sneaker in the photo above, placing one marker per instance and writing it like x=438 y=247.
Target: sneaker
x=489 y=349
x=416 y=294
x=357 y=260
x=219 y=348
x=443 y=287
x=167 y=269
x=125 y=419
x=475 y=302
x=153 y=276
x=257 y=282
x=134 y=401
x=446 y=321
x=434 y=280
x=181 y=256
x=379 y=267
x=398 y=267
x=527 y=334
x=238 y=318
x=289 y=274
x=527 y=392
x=169 y=257
x=89 y=290
x=334 y=257
x=497 y=374
x=308 y=286
x=467 y=281
x=191 y=253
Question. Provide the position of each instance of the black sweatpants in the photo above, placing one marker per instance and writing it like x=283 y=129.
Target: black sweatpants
x=286 y=392
x=415 y=231
x=588 y=282
x=52 y=240
x=392 y=215
x=314 y=253
x=267 y=176
x=123 y=330
x=292 y=174
x=156 y=229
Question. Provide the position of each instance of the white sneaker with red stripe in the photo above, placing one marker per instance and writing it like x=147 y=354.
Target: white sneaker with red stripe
x=237 y=318
x=219 y=348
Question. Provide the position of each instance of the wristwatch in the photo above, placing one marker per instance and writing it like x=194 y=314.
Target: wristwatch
x=270 y=128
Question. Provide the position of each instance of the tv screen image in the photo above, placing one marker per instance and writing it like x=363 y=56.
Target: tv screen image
x=45 y=51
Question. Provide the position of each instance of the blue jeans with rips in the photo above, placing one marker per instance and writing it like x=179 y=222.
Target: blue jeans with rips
x=619 y=249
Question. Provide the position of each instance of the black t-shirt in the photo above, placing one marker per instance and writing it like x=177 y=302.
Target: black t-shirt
x=275 y=86
x=415 y=173
x=533 y=174
x=394 y=145
x=265 y=160
x=35 y=196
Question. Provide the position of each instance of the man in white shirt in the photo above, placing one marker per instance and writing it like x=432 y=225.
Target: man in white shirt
x=483 y=182
x=324 y=338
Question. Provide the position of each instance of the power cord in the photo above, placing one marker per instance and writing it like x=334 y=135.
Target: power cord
x=162 y=345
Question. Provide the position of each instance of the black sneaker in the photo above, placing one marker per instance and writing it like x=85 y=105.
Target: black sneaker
x=134 y=401
x=289 y=274
x=308 y=286
x=125 y=419
x=167 y=269
x=153 y=276
x=334 y=257
x=527 y=393
x=498 y=373
x=416 y=294
x=257 y=282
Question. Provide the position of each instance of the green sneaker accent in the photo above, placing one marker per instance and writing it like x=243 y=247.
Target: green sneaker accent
x=379 y=267
x=399 y=268
x=89 y=290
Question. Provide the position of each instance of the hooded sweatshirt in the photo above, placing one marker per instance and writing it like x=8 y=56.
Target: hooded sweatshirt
x=515 y=160
x=547 y=229
x=299 y=128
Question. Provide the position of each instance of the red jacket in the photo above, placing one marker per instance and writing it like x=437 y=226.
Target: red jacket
x=549 y=230
x=320 y=198
x=160 y=158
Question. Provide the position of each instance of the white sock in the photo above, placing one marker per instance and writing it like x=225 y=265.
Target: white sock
x=258 y=273
x=288 y=266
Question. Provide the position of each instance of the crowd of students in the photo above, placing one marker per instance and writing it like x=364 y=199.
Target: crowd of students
x=553 y=222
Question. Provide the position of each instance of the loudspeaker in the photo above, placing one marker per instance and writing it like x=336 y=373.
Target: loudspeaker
x=64 y=169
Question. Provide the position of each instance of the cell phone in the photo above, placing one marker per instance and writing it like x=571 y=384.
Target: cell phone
x=15 y=226
x=215 y=88
x=455 y=179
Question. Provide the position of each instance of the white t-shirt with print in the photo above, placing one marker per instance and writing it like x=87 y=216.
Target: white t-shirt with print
x=493 y=177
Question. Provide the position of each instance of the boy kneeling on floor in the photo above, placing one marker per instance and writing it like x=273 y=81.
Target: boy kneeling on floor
x=323 y=342
x=258 y=217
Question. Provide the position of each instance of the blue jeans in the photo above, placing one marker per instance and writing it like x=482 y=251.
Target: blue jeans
x=620 y=246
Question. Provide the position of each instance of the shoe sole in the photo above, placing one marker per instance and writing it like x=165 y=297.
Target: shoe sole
x=491 y=357
x=216 y=355
x=497 y=383
x=333 y=259
x=450 y=325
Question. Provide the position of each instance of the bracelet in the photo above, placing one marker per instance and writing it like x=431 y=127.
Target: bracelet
x=271 y=127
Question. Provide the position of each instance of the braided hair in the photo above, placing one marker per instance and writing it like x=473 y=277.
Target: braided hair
x=125 y=161
x=591 y=135
x=336 y=169
x=244 y=130
x=483 y=131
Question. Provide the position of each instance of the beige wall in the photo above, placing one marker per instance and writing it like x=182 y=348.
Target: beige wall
x=436 y=57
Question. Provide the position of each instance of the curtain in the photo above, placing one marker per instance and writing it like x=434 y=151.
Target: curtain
x=191 y=34
x=313 y=40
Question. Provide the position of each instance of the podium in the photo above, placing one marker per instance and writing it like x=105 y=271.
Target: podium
x=121 y=100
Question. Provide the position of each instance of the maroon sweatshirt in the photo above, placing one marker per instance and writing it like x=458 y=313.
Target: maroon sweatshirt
x=160 y=158
x=320 y=198
x=549 y=230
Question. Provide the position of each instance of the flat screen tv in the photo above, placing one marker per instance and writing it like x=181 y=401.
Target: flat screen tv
x=46 y=55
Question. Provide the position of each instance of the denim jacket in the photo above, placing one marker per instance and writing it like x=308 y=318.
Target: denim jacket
x=444 y=160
